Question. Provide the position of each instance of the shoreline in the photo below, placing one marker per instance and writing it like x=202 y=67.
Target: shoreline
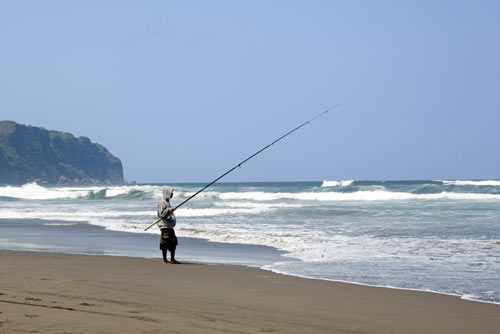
x=52 y=291
x=76 y=237
x=265 y=268
x=144 y=245
x=462 y=297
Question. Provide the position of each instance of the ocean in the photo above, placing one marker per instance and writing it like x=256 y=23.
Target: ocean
x=438 y=235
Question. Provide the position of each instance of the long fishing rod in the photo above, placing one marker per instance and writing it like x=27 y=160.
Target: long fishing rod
x=241 y=163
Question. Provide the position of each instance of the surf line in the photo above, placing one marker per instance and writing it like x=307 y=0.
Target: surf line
x=250 y=157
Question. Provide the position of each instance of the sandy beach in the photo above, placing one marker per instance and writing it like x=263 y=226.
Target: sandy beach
x=62 y=293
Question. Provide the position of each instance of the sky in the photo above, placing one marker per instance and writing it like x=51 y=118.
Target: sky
x=182 y=91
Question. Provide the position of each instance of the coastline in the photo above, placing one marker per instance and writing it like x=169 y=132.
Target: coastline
x=54 y=292
x=35 y=235
x=463 y=297
x=76 y=237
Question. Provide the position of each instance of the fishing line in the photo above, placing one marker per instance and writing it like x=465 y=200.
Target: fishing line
x=250 y=157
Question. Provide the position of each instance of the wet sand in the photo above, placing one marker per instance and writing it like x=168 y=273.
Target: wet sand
x=74 y=237
x=62 y=293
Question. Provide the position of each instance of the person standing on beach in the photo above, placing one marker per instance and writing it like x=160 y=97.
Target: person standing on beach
x=168 y=239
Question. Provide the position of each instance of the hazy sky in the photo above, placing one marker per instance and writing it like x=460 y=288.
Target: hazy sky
x=184 y=90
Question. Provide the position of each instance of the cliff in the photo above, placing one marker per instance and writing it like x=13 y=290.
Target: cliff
x=33 y=154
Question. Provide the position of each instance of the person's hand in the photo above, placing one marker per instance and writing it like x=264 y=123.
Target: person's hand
x=172 y=209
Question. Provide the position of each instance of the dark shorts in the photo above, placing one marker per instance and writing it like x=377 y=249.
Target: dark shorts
x=168 y=240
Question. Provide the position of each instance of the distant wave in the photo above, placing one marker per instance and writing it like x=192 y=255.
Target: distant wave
x=33 y=191
x=341 y=183
x=345 y=183
x=257 y=205
x=494 y=183
x=378 y=195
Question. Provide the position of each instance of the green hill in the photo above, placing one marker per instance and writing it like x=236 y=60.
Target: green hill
x=33 y=154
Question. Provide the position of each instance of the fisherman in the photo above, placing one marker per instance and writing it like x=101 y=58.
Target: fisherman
x=168 y=240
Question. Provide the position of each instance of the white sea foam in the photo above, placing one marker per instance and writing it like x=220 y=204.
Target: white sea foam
x=341 y=183
x=315 y=245
x=72 y=215
x=378 y=195
x=209 y=212
x=109 y=218
x=495 y=183
x=117 y=191
x=279 y=205
x=33 y=191
x=149 y=192
x=51 y=223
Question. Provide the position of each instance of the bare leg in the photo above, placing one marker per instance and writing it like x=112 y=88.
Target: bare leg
x=164 y=253
x=172 y=257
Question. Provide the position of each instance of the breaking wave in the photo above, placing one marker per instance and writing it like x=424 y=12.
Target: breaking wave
x=494 y=183
x=330 y=191
x=341 y=183
x=377 y=195
x=33 y=191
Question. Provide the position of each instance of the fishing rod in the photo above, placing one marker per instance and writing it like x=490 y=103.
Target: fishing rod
x=241 y=163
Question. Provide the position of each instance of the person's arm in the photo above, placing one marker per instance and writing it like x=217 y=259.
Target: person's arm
x=165 y=211
x=162 y=209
